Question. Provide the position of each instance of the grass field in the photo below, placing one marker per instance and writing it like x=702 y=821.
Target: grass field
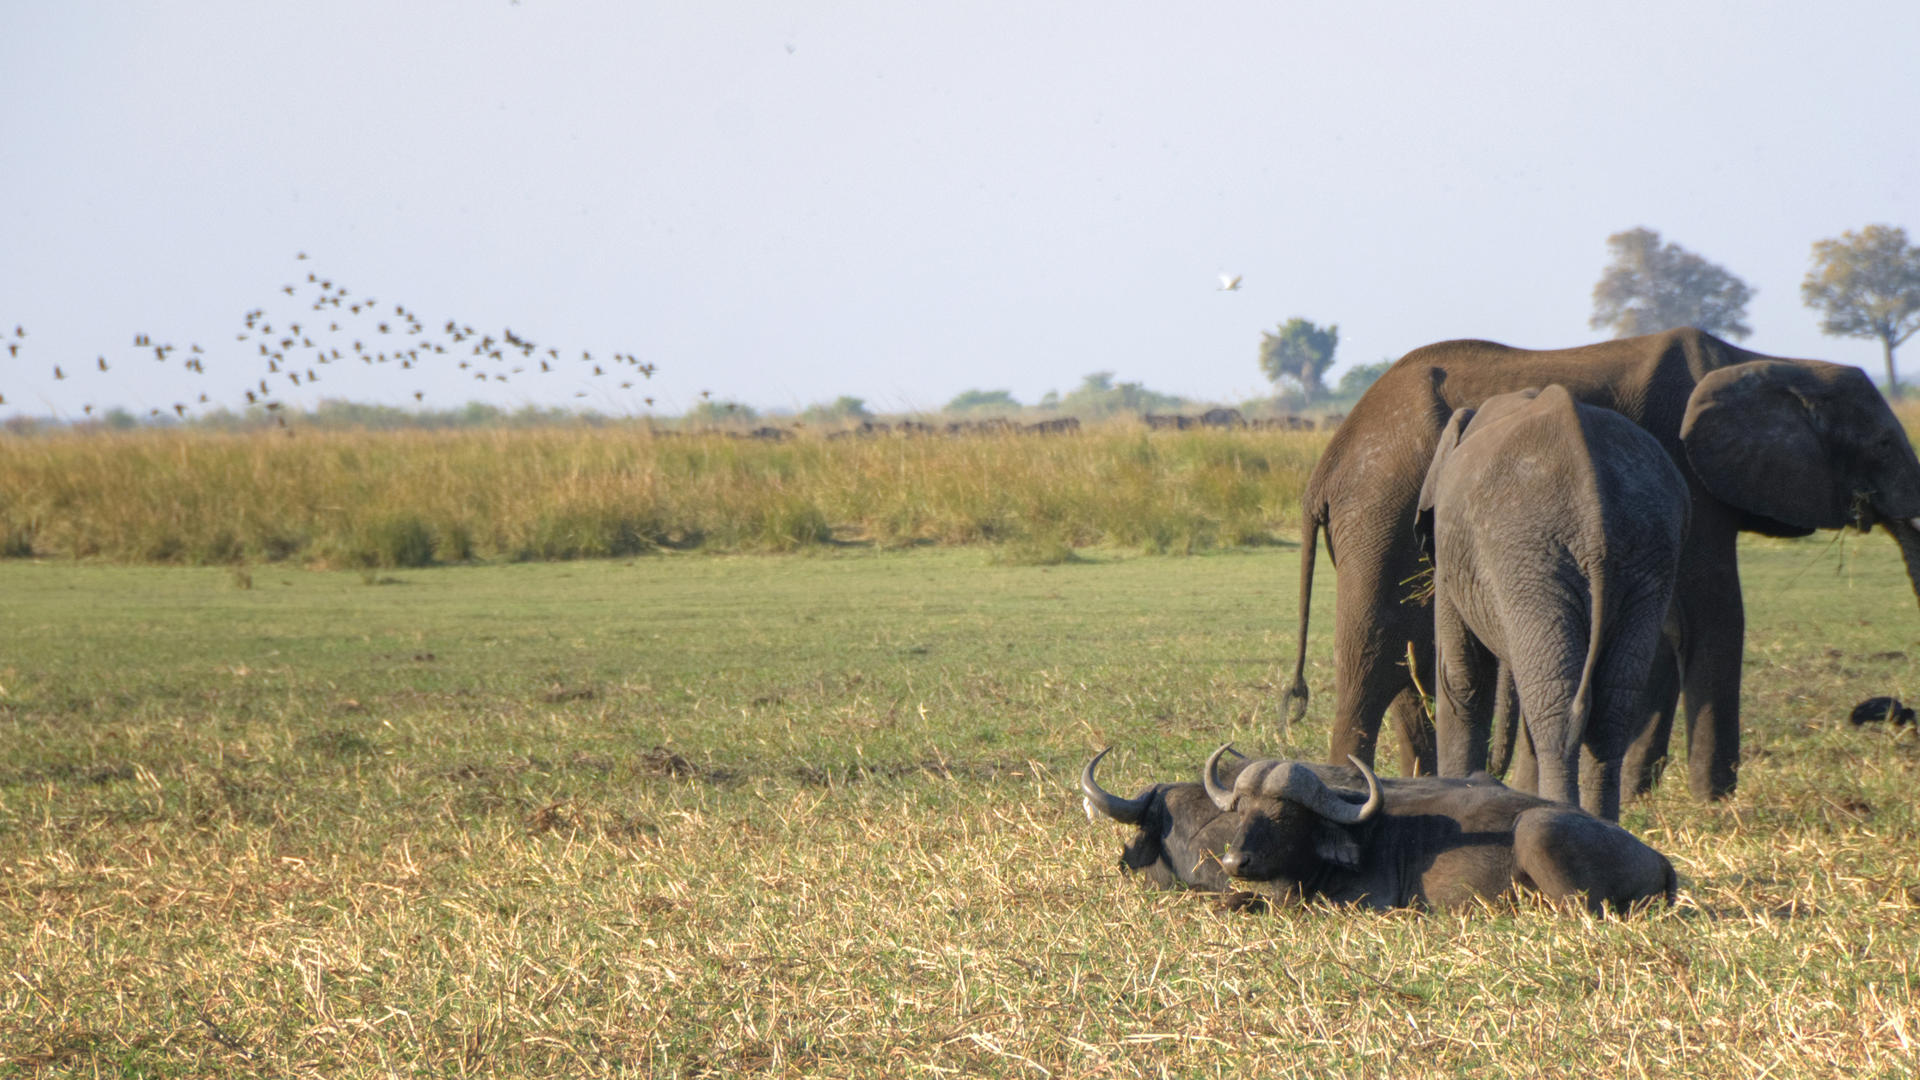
x=352 y=498
x=699 y=815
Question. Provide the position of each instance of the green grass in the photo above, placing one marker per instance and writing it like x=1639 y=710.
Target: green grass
x=690 y=815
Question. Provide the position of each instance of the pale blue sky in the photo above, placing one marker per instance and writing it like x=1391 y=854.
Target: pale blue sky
x=784 y=202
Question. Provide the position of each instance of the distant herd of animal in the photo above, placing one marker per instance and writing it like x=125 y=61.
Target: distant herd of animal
x=1543 y=541
x=1059 y=425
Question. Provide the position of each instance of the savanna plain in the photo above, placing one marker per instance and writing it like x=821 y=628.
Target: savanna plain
x=695 y=812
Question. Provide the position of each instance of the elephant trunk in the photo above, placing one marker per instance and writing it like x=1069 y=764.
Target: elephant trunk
x=1906 y=533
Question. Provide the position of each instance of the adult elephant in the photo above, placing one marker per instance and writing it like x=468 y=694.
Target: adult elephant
x=1767 y=445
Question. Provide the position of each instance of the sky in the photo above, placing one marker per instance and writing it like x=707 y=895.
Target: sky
x=782 y=203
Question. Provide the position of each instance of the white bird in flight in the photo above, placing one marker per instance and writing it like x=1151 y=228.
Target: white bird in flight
x=1229 y=282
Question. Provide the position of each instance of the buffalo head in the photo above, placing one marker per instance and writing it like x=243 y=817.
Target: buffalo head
x=1288 y=827
x=1179 y=832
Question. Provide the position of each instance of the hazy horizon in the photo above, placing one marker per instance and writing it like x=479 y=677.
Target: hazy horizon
x=785 y=203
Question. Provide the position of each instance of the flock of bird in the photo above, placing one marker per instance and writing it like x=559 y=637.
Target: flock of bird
x=324 y=323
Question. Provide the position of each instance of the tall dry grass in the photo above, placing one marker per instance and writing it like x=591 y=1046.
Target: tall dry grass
x=364 y=498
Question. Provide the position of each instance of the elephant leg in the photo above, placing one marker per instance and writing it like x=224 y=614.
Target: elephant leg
x=1558 y=759
x=1414 y=726
x=1599 y=784
x=1413 y=718
x=1713 y=626
x=1525 y=774
x=1548 y=680
x=1468 y=681
x=1506 y=720
x=1372 y=629
x=1633 y=644
x=1646 y=757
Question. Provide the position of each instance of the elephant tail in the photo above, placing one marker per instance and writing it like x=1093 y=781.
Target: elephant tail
x=1581 y=713
x=1310 y=529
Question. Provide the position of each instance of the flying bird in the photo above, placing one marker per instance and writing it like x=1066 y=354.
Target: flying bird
x=1229 y=283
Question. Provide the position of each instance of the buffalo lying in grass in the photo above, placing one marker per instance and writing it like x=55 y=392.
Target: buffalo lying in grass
x=1318 y=831
x=1179 y=833
x=1425 y=841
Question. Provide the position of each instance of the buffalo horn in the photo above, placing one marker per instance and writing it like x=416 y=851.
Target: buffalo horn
x=1095 y=797
x=1295 y=783
x=1222 y=797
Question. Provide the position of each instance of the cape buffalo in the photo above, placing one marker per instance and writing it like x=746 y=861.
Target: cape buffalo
x=1418 y=842
x=1180 y=833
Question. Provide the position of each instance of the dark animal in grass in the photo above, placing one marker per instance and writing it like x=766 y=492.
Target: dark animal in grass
x=1420 y=842
x=1180 y=833
x=1876 y=709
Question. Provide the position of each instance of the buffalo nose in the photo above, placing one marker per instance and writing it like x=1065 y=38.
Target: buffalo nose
x=1230 y=862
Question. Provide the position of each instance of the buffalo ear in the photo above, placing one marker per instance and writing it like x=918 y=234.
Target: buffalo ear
x=1334 y=844
x=1423 y=515
x=1751 y=434
x=1143 y=852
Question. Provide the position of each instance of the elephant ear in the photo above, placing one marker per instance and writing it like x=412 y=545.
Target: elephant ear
x=1429 y=491
x=1752 y=434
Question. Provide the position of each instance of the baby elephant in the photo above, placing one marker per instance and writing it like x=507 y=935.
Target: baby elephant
x=1421 y=842
x=1555 y=530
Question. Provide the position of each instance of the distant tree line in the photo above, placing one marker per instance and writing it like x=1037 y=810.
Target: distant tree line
x=1864 y=284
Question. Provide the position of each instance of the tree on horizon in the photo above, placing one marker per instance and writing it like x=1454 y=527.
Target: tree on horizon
x=1650 y=287
x=844 y=408
x=975 y=400
x=1302 y=352
x=1098 y=395
x=1867 y=285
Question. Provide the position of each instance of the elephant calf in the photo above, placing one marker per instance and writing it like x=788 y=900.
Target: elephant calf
x=1555 y=530
x=1422 y=841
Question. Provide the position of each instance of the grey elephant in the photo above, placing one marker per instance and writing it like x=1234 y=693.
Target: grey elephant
x=1780 y=447
x=1555 y=531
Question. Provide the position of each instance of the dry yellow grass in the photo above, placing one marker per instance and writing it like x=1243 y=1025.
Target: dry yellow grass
x=787 y=816
x=401 y=498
